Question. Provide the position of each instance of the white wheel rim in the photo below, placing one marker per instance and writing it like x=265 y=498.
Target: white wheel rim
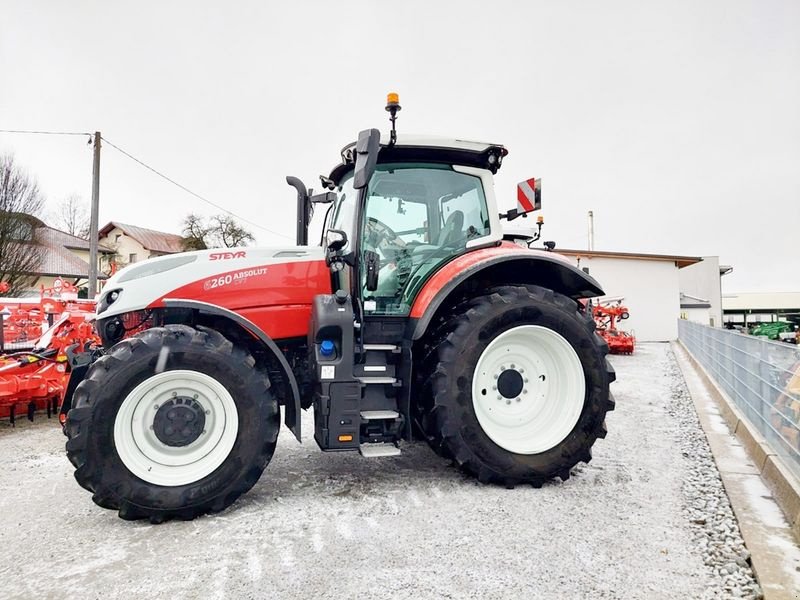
x=149 y=458
x=547 y=408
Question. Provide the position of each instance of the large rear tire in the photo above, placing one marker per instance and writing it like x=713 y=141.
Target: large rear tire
x=516 y=386
x=172 y=423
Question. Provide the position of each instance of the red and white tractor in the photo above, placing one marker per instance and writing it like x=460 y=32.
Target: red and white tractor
x=412 y=319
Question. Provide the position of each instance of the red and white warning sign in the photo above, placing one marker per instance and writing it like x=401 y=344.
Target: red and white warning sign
x=529 y=195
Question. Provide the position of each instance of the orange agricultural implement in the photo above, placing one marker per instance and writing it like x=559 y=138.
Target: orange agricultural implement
x=606 y=317
x=38 y=379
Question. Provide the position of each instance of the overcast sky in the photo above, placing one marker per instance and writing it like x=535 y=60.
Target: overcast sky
x=677 y=123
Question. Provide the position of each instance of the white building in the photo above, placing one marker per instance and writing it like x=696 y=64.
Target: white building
x=648 y=283
x=133 y=244
x=757 y=307
x=701 y=291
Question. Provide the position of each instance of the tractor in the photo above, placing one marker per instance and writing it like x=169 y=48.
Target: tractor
x=412 y=319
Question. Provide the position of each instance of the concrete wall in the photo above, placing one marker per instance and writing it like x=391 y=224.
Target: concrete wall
x=702 y=280
x=650 y=288
x=698 y=315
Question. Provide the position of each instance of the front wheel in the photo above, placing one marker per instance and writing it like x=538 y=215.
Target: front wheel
x=174 y=422
x=516 y=387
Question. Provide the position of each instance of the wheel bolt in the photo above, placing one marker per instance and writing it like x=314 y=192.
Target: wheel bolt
x=513 y=366
x=208 y=412
x=194 y=396
x=174 y=394
x=508 y=401
x=494 y=377
x=524 y=391
x=502 y=367
x=521 y=370
x=494 y=387
x=202 y=432
x=519 y=399
x=525 y=380
x=499 y=397
x=155 y=407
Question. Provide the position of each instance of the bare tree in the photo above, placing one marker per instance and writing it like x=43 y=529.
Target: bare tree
x=229 y=232
x=221 y=231
x=195 y=233
x=20 y=205
x=72 y=216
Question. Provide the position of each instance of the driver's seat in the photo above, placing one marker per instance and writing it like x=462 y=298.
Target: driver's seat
x=452 y=230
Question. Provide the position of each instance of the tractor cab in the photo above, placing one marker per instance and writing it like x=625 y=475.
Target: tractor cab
x=418 y=210
x=400 y=208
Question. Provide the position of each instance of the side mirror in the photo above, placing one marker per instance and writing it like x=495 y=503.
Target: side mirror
x=335 y=240
x=372 y=265
x=367 y=147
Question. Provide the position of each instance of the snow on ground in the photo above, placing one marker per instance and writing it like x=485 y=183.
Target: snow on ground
x=335 y=525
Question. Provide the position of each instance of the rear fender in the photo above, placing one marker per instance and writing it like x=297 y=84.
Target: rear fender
x=292 y=405
x=501 y=265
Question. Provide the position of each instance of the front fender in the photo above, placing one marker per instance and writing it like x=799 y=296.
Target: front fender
x=292 y=419
x=506 y=264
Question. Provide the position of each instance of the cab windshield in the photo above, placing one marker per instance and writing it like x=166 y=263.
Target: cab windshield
x=417 y=217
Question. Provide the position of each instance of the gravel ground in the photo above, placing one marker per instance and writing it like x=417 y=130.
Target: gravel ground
x=647 y=518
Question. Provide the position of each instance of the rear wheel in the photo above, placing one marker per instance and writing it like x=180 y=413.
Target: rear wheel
x=517 y=386
x=174 y=422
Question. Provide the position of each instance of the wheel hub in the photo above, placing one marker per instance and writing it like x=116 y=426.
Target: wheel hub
x=179 y=421
x=510 y=383
x=528 y=389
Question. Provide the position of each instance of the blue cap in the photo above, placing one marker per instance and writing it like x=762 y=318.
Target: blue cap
x=326 y=348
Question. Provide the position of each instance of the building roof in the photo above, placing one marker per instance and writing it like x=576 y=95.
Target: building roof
x=58 y=260
x=150 y=239
x=680 y=261
x=761 y=301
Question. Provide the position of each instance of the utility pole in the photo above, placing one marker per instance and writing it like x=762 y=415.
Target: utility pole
x=591 y=230
x=94 y=217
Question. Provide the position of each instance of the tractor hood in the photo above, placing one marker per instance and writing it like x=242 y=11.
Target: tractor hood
x=235 y=278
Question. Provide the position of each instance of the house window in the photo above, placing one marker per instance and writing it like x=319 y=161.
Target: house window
x=132 y=257
x=117 y=238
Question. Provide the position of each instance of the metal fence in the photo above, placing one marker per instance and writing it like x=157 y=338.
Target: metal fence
x=762 y=378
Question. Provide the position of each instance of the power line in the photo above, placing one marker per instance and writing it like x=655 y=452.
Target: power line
x=148 y=167
x=188 y=191
x=44 y=132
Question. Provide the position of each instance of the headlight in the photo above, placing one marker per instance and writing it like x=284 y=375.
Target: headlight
x=154 y=268
x=107 y=299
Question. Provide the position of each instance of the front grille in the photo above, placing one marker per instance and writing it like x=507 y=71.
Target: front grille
x=136 y=321
x=115 y=329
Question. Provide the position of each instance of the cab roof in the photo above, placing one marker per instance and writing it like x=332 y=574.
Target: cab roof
x=427 y=149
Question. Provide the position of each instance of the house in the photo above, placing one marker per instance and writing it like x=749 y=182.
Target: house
x=63 y=256
x=133 y=244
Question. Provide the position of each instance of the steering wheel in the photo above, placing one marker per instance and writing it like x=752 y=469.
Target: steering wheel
x=380 y=235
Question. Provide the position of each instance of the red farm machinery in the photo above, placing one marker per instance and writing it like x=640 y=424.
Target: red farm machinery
x=44 y=341
x=607 y=314
x=414 y=318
